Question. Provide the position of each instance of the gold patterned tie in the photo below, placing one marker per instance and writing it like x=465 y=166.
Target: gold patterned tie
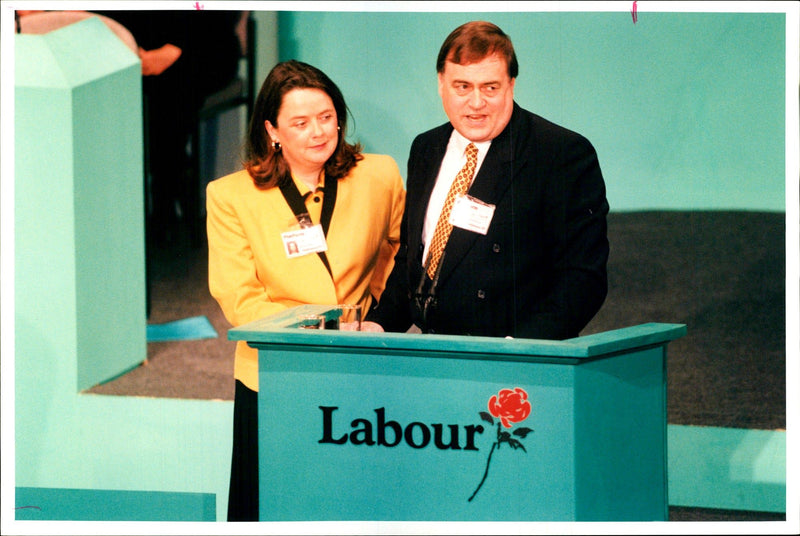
x=443 y=227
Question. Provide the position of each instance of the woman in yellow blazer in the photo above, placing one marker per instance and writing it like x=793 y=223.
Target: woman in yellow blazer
x=299 y=170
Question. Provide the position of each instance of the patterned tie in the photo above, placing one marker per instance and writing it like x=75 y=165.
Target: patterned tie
x=443 y=227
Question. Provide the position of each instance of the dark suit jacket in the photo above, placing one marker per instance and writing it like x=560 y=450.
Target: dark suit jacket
x=540 y=271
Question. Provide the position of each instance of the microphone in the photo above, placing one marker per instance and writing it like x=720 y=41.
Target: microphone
x=427 y=301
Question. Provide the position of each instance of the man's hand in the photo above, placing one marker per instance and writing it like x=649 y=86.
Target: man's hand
x=371 y=326
x=158 y=60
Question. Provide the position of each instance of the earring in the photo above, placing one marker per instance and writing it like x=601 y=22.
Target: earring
x=276 y=145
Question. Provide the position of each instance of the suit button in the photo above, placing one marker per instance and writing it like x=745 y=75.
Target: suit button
x=481 y=294
x=496 y=248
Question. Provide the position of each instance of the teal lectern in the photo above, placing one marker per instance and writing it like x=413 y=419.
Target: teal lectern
x=358 y=426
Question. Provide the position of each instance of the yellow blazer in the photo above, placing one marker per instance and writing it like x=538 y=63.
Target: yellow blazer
x=249 y=273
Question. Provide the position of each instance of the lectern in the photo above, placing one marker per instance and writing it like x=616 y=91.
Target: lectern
x=357 y=426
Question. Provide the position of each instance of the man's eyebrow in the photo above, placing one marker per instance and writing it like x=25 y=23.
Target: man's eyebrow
x=489 y=83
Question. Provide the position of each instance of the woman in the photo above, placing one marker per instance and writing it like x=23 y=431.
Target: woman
x=299 y=171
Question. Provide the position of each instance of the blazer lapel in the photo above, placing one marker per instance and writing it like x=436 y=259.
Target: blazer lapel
x=492 y=181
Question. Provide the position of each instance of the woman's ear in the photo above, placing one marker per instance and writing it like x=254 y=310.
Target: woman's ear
x=271 y=131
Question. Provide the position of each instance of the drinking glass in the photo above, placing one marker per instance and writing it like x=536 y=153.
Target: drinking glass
x=350 y=319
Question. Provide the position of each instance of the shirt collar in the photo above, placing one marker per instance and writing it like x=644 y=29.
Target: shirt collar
x=459 y=143
x=303 y=188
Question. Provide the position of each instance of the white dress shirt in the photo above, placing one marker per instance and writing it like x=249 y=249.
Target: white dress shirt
x=454 y=159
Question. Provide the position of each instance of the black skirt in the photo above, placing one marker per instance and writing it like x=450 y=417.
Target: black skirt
x=243 y=493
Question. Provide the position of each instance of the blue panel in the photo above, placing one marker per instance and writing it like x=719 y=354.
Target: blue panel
x=196 y=327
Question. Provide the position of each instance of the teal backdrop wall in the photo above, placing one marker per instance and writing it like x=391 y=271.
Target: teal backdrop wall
x=686 y=110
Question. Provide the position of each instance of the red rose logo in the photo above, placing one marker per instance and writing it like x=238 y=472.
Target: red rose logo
x=510 y=406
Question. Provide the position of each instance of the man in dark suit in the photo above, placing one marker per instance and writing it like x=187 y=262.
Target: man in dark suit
x=525 y=250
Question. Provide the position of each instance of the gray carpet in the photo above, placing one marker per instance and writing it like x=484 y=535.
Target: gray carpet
x=720 y=273
x=723 y=275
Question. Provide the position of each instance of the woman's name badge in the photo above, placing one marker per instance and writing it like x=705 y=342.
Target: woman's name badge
x=471 y=214
x=304 y=241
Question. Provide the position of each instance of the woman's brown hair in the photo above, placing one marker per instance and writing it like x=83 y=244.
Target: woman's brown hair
x=265 y=163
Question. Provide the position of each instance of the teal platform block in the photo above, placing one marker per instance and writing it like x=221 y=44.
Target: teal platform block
x=727 y=468
x=80 y=290
x=100 y=442
x=79 y=206
x=395 y=427
x=80 y=282
x=53 y=504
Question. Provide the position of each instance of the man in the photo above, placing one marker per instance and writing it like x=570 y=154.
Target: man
x=526 y=253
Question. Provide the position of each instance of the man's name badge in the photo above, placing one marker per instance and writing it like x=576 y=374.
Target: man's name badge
x=304 y=241
x=471 y=214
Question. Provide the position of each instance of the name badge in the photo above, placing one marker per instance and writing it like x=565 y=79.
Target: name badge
x=471 y=214
x=304 y=241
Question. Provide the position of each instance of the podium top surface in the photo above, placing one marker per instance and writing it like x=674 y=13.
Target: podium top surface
x=281 y=330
